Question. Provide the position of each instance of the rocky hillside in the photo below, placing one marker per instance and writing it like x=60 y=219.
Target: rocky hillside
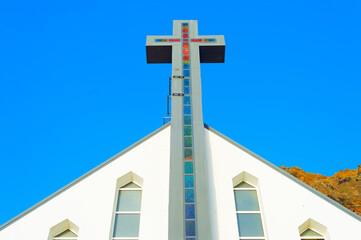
x=343 y=186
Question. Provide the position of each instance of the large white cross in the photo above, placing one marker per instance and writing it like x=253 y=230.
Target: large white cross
x=186 y=50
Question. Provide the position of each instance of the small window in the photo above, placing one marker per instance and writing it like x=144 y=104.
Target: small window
x=127 y=212
x=66 y=235
x=310 y=234
x=249 y=217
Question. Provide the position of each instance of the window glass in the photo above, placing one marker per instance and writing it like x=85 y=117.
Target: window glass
x=249 y=225
x=126 y=225
x=246 y=200
x=127 y=216
x=129 y=200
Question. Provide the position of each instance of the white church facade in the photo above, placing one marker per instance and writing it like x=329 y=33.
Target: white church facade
x=185 y=181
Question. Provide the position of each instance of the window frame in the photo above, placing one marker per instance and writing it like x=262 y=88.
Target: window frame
x=250 y=212
x=115 y=212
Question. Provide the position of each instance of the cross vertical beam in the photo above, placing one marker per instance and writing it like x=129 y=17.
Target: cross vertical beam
x=190 y=210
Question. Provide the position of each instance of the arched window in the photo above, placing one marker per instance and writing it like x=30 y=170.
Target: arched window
x=66 y=235
x=312 y=230
x=249 y=217
x=311 y=235
x=127 y=212
x=65 y=230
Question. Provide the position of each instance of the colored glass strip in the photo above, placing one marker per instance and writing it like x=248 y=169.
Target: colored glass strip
x=189 y=178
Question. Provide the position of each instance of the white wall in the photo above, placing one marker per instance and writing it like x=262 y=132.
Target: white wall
x=89 y=203
x=285 y=204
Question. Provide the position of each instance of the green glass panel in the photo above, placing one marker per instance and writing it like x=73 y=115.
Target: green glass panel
x=310 y=233
x=67 y=233
x=188 y=131
x=126 y=225
x=244 y=185
x=131 y=185
x=129 y=200
x=187 y=120
x=250 y=225
x=188 y=167
x=187 y=142
x=246 y=200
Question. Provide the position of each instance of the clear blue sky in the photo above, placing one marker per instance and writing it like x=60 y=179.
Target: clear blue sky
x=76 y=89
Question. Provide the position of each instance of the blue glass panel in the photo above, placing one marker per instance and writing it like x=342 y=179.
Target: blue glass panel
x=185 y=24
x=188 y=167
x=187 y=131
x=187 y=110
x=190 y=211
x=185 y=66
x=187 y=100
x=187 y=142
x=189 y=195
x=186 y=90
x=250 y=225
x=188 y=182
x=190 y=228
x=186 y=83
x=186 y=73
x=188 y=154
x=187 y=120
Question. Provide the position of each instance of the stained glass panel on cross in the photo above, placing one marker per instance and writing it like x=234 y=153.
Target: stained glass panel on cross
x=188 y=154
x=189 y=195
x=187 y=110
x=189 y=211
x=188 y=182
x=186 y=73
x=187 y=131
x=188 y=167
x=187 y=141
x=190 y=228
x=187 y=100
x=186 y=84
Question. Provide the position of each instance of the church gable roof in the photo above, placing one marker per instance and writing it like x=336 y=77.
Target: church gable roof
x=284 y=173
x=94 y=170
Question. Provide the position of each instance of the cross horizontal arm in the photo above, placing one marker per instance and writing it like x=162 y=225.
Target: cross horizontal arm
x=159 y=48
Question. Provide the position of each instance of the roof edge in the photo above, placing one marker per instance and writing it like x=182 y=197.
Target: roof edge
x=45 y=200
x=286 y=174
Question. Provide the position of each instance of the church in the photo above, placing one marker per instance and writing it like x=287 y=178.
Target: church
x=185 y=181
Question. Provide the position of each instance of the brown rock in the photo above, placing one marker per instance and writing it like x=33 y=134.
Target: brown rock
x=343 y=187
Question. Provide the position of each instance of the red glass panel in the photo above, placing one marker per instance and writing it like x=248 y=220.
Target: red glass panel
x=186 y=51
x=185 y=30
x=185 y=35
x=186 y=57
x=196 y=40
x=174 y=40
